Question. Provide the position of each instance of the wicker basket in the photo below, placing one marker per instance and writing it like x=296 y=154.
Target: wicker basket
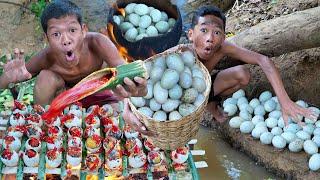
x=175 y=134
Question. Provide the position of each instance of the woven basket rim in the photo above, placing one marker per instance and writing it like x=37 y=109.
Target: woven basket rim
x=179 y=49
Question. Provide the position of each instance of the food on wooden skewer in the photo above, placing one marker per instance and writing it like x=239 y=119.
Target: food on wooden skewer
x=10 y=157
x=16 y=131
x=94 y=109
x=70 y=120
x=74 y=155
x=31 y=158
x=106 y=110
x=94 y=143
x=53 y=158
x=74 y=142
x=33 y=143
x=133 y=145
x=114 y=131
x=137 y=160
x=180 y=155
x=92 y=120
x=75 y=131
x=34 y=131
x=12 y=143
x=90 y=131
x=155 y=158
x=17 y=119
x=37 y=109
x=114 y=160
x=108 y=122
x=93 y=162
x=53 y=142
x=55 y=131
x=34 y=119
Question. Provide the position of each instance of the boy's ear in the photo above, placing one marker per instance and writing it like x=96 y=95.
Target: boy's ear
x=84 y=27
x=190 y=35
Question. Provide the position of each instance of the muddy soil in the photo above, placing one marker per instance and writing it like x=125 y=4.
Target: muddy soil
x=19 y=29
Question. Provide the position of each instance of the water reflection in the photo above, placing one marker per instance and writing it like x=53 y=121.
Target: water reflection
x=225 y=162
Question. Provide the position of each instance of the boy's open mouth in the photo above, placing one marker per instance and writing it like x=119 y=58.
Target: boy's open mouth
x=208 y=50
x=70 y=56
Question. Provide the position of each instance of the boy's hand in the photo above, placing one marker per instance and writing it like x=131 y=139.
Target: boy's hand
x=133 y=121
x=138 y=87
x=15 y=70
x=291 y=109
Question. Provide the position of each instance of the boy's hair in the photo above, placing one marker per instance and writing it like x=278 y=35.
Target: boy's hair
x=208 y=10
x=58 y=9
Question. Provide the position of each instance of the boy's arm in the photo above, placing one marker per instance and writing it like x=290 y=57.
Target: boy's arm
x=16 y=70
x=106 y=50
x=38 y=62
x=289 y=108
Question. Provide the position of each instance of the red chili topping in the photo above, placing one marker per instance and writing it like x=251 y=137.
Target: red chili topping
x=33 y=117
x=92 y=162
x=18 y=116
x=38 y=108
x=9 y=139
x=75 y=131
x=31 y=153
x=66 y=118
x=53 y=130
x=74 y=151
x=97 y=138
x=50 y=139
x=34 y=142
x=7 y=154
x=90 y=119
x=52 y=154
x=106 y=121
x=181 y=151
x=19 y=105
x=152 y=155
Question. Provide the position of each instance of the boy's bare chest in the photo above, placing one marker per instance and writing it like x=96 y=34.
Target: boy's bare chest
x=76 y=73
x=212 y=62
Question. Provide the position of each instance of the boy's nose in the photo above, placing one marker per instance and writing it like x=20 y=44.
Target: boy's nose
x=67 y=43
x=209 y=38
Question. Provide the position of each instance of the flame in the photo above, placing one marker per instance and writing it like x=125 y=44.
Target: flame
x=122 y=50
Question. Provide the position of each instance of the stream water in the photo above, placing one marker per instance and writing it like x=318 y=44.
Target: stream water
x=225 y=162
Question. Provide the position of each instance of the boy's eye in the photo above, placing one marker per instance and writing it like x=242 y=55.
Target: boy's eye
x=56 y=34
x=217 y=32
x=73 y=30
x=203 y=30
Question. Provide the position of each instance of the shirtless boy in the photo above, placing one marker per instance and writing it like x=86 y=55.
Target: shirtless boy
x=207 y=35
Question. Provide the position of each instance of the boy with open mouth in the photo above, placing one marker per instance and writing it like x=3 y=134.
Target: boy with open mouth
x=72 y=54
x=207 y=36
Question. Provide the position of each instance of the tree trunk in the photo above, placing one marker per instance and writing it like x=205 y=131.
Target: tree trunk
x=293 y=32
x=224 y=5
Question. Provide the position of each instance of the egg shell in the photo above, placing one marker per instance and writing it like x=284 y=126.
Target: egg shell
x=141 y=9
x=276 y=131
x=271 y=122
x=146 y=111
x=152 y=31
x=275 y=114
x=230 y=101
x=246 y=127
x=188 y=58
x=186 y=109
x=169 y=78
x=314 y=162
x=162 y=26
x=199 y=84
x=316 y=131
x=160 y=94
x=159 y=116
x=288 y=136
x=308 y=128
x=264 y=96
x=257 y=118
x=257 y=131
x=175 y=62
x=174 y=115
x=170 y=105
x=242 y=100
x=266 y=138
x=278 y=142
x=270 y=105
x=130 y=8
x=238 y=94
x=154 y=105
x=138 y=101
x=254 y=103
x=189 y=95
x=296 y=145
x=175 y=92
x=303 y=135
x=316 y=111
x=149 y=90
x=259 y=110
x=316 y=139
x=230 y=109
x=310 y=147
x=245 y=115
x=155 y=15
x=185 y=80
x=235 y=122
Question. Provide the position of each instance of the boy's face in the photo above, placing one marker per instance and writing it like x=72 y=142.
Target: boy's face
x=207 y=36
x=65 y=36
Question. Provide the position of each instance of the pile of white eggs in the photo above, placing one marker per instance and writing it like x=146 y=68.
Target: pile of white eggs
x=176 y=87
x=142 y=21
x=262 y=118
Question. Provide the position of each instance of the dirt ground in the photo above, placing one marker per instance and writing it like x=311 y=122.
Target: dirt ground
x=19 y=29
